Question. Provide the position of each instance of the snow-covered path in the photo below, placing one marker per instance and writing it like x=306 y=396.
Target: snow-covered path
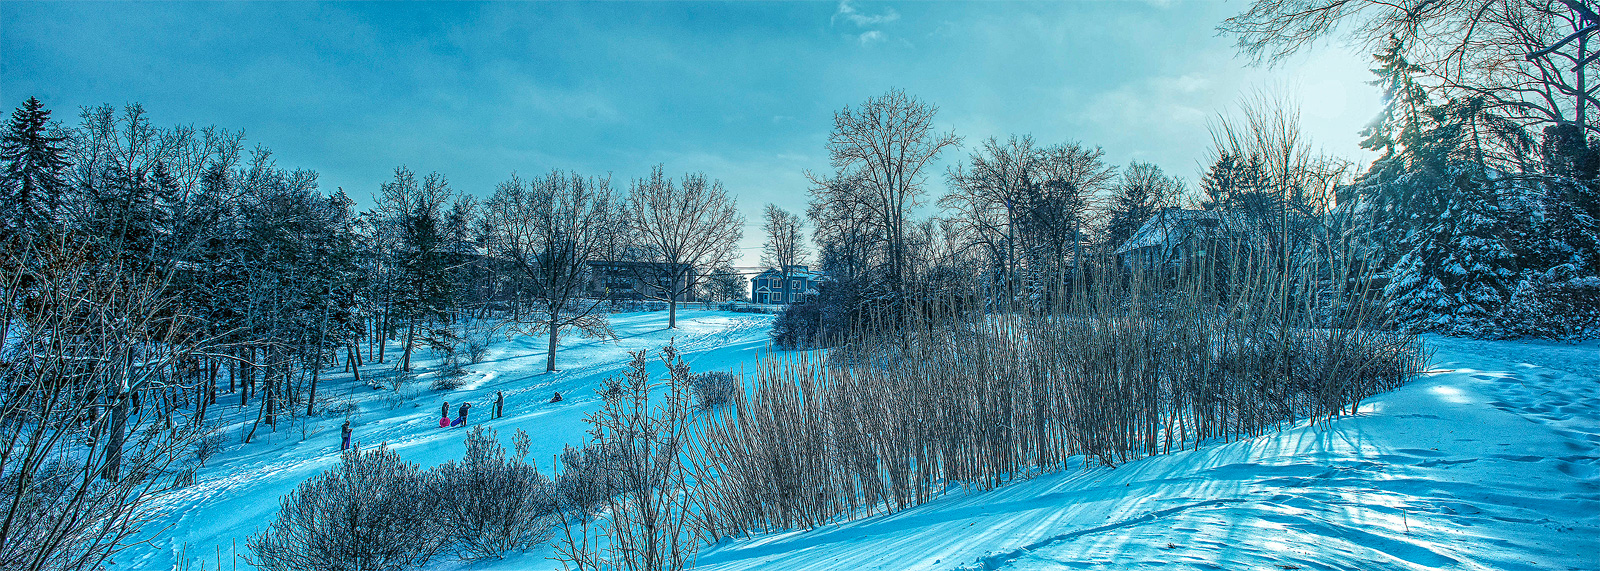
x=1490 y=462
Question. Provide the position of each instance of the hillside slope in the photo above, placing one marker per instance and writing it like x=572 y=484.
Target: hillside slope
x=1492 y=461
x=237 y=493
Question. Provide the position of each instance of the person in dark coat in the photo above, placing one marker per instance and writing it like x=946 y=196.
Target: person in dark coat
x=444 y=409
x=344 y=436
x=461 y=420
x=556 y=398
x=499 y=404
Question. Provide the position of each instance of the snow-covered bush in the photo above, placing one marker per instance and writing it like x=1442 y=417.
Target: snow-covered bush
x=798 y=326
x=372 y=512
x=490 y=504
x=819 y=320
x=452 y=367
x=713 y=389
x=1556 y=305
x=588 y=476
x=448 y=378
x=340 y=407
x=475 y=342
x=207 y=446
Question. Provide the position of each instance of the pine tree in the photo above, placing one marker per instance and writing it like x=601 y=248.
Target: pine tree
x=33 y=176
x=1389 y=190
x=1219 y=183
x=1568 y=228
x=424 y=286
x=1402 y=121
x=1455 y=271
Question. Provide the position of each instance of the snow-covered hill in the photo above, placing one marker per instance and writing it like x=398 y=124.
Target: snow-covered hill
x=237 y=493
x=1491 y=461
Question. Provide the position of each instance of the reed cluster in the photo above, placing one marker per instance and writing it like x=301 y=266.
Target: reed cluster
x=1128 y=362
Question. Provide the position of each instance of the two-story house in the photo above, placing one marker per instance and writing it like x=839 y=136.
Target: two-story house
x=772 y=286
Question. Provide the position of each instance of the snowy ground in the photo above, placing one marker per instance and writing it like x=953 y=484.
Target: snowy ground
x=1492 y=461
x=237 y=493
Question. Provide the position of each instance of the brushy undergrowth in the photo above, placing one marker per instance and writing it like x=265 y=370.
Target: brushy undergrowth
x=1128 y=365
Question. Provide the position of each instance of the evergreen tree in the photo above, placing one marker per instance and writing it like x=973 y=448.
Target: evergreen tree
x=1403 y=119
x=1455 y=271
x=33 y=177
x=1238 y=183
x=1397 y=134
x=1567 y=227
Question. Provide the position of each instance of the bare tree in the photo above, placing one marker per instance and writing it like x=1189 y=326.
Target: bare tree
x=1296 y=176
x=726 y=284
x=651 y=522
x=1144 y=191
x=679 y=231
x=1528 y=59
x=549 y=229
x=1058 y=205
x=988 y=199
x=848 y=240
x=413 y=214
x=84 y=457
x=785 y=245
x=881 y=149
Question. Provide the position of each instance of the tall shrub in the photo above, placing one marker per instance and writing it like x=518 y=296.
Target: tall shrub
x=369 y=513
x=489 y=504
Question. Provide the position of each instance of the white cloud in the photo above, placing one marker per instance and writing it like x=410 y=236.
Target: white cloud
x=871 y=37
x=850 y=14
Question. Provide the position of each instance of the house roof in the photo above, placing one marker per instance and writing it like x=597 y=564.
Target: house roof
x=794 y=272
x=1173 y=226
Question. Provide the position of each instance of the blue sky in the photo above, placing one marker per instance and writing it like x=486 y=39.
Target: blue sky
x=743 y=91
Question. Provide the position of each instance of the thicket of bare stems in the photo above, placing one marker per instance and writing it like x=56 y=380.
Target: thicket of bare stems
x=83 y=457
x=626 y=500
x=1138 y=363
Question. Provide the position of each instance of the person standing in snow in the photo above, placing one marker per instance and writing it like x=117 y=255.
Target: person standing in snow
x=461 y=420
x=499 y=403
x=444 y=409
x=344 y=436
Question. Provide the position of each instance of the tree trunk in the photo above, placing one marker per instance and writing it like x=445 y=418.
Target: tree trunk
x=354 y=359
x=672 y=305
x=247 y=376
x=116 y=433
x=383 y=336
x=270 y=401
x=411 y=336
x=555 y=336
x=311 y=398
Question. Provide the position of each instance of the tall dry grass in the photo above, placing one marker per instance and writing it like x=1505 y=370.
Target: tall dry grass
x=1138 y=362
